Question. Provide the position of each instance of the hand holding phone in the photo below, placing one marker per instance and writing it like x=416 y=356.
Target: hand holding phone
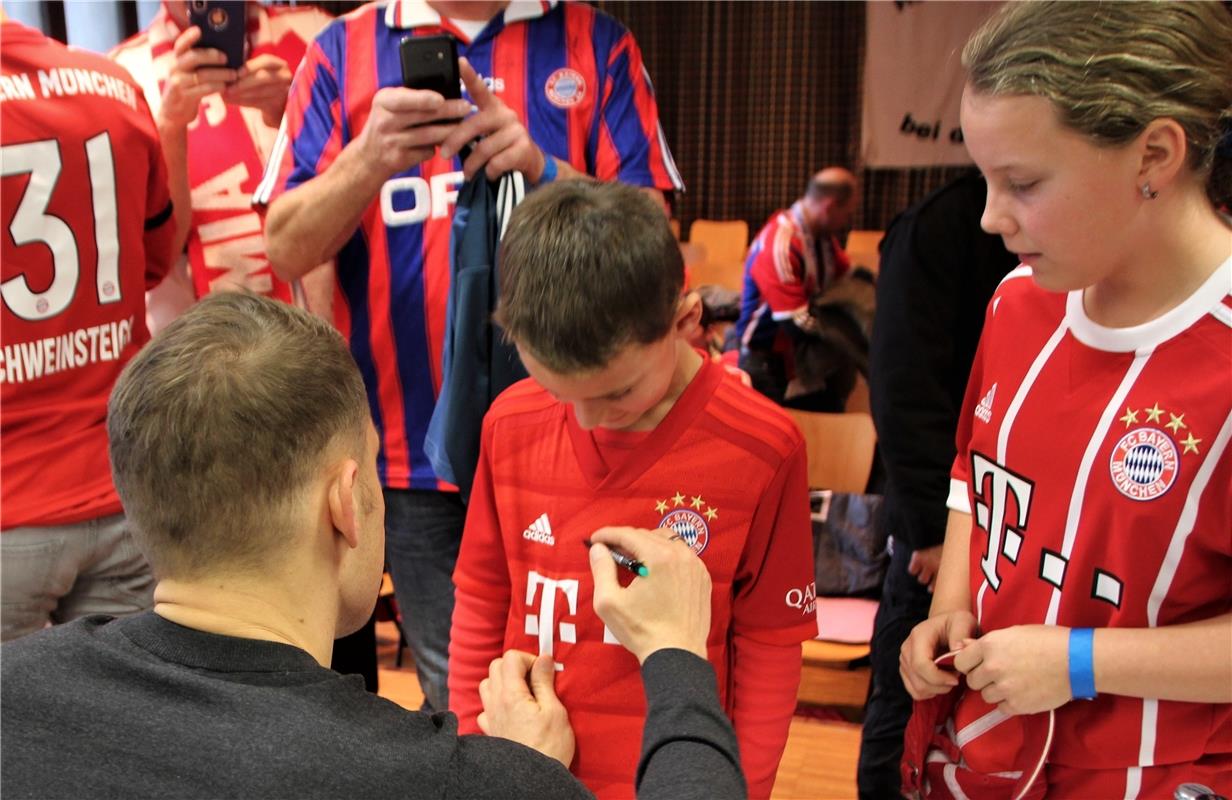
x=224 y=27
x=195 y=74
x=431 y=63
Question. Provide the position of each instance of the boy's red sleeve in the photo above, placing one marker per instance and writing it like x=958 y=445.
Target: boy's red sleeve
x=764 y=682
x=481 y=597
x=773 y=610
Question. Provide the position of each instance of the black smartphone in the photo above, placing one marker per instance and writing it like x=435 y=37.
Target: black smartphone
x=431 y=62
x=224 y=26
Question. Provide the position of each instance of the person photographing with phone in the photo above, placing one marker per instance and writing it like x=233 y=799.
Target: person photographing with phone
x=368 y=172
x=216 y=76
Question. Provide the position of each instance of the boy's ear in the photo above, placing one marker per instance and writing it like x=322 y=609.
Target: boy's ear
x=688 y=313
x=1164 y=151
x=343 y=504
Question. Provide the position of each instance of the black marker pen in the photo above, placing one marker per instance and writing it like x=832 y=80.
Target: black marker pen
x=623 y=560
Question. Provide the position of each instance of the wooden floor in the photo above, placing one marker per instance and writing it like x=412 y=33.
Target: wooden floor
x=818 y=764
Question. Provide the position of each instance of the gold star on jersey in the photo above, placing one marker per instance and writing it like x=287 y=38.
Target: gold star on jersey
x=1146 y=460
x=689 y=516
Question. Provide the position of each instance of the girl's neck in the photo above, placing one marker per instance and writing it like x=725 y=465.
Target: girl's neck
x=1189 y=241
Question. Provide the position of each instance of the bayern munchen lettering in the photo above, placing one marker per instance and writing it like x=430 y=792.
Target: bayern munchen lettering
x=28 y=361
x=65 y=82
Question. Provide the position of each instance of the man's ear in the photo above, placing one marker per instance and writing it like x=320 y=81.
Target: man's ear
x=688 y=314
x=1164 y=151
x=343 y=505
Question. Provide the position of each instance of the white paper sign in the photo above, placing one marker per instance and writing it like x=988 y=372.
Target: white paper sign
x=913 y=81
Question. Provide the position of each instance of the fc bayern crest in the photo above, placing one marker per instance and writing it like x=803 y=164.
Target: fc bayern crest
x=690 y=526
x=1144 y=464
x=565 y=88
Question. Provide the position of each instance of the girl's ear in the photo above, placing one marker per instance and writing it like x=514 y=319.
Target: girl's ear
x=1164 y=153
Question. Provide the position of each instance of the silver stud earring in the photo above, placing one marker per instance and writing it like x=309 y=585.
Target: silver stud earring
x=1147 y=194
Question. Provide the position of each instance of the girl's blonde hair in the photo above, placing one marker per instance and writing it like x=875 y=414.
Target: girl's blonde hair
x=1110 y=68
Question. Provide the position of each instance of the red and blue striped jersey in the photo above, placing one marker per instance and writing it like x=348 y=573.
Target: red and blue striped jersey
x=785 y=267
x=574 y=76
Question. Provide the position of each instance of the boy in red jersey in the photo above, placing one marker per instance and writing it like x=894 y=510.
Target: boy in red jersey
x=625 y=424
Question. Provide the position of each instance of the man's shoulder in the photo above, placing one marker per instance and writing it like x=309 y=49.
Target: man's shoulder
x=332 y=34
x=302 y=22
x=599 y=21
x=780 y=228
x=73 y=635
x=33 y=666
x=52 y=54
x=779 y=219
x=492 y=767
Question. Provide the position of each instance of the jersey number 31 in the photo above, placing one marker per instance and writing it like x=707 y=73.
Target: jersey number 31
x=32 y=223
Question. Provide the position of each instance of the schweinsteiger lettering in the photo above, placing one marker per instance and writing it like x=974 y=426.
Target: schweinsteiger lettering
x=28 y=361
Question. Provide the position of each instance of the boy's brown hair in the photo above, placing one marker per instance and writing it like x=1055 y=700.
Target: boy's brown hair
x=587 y=268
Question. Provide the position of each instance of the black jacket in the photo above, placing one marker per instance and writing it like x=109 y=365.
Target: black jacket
x=938 y=272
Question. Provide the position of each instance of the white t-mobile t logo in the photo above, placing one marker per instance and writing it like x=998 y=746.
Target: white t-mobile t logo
x=543 y=623
x=1004 y=537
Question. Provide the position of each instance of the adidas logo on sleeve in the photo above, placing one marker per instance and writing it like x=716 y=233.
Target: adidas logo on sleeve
x=540 y=531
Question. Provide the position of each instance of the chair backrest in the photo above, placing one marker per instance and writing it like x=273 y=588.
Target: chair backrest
x=724 y=241
x=839 y=447
x=728 y=274
x=862 y=248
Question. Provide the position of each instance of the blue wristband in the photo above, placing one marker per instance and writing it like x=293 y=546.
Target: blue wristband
x=1082 y=663
x=549 y=170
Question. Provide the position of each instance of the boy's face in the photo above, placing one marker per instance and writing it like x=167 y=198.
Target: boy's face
x=623 y=395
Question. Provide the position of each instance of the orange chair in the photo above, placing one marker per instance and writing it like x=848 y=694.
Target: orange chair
x=724 y=241
x=840 y=457
x=728 y=274
x=839 y=449
x=862 y=248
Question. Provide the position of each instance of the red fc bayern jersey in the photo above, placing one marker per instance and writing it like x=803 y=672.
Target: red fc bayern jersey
x=1096 y=466
x=576 y=79
x=786 y=265
x=86 y=219
x=725 y=469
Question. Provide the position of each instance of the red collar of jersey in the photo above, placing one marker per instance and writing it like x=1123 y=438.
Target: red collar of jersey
x=660 y=440
x=408 y=14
